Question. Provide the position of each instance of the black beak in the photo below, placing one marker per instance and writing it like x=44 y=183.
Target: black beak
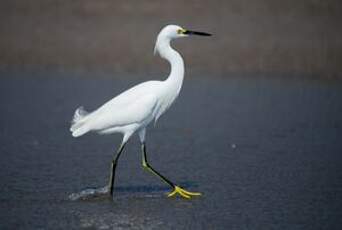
x=190 y=32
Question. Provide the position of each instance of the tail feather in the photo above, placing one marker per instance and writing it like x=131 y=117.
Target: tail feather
x=79 y=114
x=78 y=126
x=80 y=131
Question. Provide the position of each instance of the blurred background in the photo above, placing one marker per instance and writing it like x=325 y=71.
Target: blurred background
x=301 y=38
x=257 y=127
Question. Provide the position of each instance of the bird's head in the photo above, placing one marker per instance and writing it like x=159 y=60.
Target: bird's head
x=170 y=32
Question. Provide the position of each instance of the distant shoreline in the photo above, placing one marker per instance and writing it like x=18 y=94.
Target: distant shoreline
x=297 y=38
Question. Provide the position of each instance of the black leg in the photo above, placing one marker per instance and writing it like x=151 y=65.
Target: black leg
x=148 y=167
x=112 y=173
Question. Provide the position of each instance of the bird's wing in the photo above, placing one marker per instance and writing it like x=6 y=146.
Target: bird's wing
x=129 y=96
x=136 y=112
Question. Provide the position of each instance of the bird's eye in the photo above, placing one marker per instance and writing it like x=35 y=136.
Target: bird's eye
x=179 y=31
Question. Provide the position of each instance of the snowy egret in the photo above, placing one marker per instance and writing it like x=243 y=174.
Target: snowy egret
x=132 y=110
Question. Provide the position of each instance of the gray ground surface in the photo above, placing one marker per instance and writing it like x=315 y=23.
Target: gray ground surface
x=265 y=153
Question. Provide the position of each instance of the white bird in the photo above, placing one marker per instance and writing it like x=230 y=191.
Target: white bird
x=132 y=110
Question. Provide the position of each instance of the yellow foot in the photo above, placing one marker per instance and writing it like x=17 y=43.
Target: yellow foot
x=183 y=193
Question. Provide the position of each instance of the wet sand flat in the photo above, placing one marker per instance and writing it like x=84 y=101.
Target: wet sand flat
x=265 y=153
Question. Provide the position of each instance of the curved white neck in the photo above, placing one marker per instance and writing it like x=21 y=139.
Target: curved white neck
x=173 y=84
x=176 y=61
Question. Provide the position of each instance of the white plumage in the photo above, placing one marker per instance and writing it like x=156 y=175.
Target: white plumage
x=132 y=110
x=135 y=108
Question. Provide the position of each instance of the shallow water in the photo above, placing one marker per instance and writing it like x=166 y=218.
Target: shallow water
x=265 y=153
